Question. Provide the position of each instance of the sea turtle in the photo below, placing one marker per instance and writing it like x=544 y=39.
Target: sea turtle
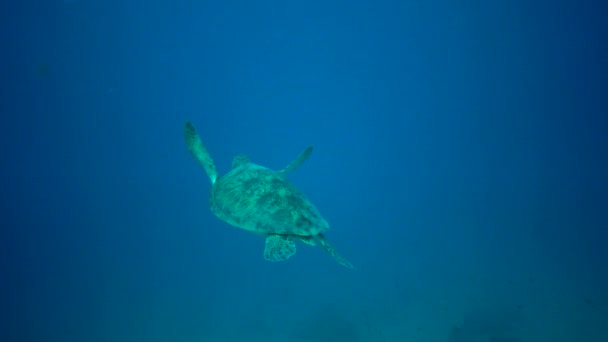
x=263 y=201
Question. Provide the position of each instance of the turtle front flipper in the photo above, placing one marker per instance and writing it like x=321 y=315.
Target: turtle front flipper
x=279 y=247
x=332 y=251
x=296 y=163
x=198 y=150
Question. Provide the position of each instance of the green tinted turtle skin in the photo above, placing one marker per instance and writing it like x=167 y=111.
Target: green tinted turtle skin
x=257 y=199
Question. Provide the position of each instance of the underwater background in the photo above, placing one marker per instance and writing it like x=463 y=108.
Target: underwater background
x=460 y=157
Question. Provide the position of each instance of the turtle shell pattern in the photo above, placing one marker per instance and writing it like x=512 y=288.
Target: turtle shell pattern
x=260 y=200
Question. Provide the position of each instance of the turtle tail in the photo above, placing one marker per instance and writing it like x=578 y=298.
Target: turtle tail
x=332 y=251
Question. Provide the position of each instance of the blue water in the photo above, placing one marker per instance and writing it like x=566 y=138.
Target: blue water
x=461 y=154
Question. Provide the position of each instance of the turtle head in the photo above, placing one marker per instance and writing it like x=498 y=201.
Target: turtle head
x=238 y=160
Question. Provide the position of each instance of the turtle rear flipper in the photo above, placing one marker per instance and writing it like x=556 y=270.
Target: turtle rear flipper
x=279 y=247
x=198 y=150
x=332 y=251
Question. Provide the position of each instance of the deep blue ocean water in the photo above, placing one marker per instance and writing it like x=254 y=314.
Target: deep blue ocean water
x=461 y=157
